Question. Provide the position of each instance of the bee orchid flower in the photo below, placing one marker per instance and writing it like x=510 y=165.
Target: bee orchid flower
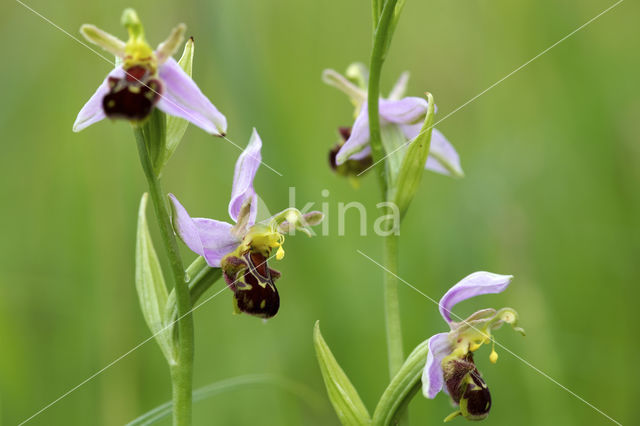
x=144 y=79
x=352 y=154
x=243 y=249
x=450 y=367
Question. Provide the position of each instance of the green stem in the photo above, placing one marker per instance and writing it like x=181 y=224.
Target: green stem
x=392 y=308
x=382 y=39
x=392 y=305
x=182 y=371
x=378 y=54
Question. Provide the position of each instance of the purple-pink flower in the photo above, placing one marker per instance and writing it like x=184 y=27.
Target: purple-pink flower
x=405 y=113
x=243 y=248
x=450 y=366
x=144 y=79
x=213 y=239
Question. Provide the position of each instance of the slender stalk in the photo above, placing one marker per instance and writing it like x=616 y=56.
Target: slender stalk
x=391 y=305
x=182 y=371
x=378 y=54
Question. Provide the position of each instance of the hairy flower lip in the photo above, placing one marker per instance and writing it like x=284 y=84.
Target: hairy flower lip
x=133 y=96
x=179 y=96
x=252 y=281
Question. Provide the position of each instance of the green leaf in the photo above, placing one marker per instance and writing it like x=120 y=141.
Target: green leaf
x=402 y=388
x=412 y=168
x=177 y=126
x=150 y=285
x=343 y=395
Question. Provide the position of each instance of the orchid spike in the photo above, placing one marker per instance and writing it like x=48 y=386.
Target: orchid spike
x=243 y=248
x=450 y=367
x=144 y=79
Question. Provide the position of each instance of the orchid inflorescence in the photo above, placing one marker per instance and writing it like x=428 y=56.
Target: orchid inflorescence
x=157 y=95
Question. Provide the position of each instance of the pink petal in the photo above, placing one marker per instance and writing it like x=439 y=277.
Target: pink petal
x=245 y=171
x=182 y=98
x=209 y=238
x=432 y=377
x=92 y=111
x=472 y=285
x=359 y=137
x=406 y=110
x=362 y=154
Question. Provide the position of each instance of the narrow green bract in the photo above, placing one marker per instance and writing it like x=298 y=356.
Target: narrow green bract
x=393 y=142
x=343 y=395
x=413 y=164
x=150 y=285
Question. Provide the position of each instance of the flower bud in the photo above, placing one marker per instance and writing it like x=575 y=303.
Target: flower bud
x=358 y=73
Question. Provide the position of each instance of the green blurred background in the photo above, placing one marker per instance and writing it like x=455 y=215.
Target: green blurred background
x=551 y=195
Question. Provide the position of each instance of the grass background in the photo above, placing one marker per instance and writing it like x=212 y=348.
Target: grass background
x=551 y=195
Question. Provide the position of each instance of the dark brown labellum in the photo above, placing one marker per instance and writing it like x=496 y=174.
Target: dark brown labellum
x=455 y=374
x=252 y=282
x=476 y=398
x=132 y=97
x=467 y=388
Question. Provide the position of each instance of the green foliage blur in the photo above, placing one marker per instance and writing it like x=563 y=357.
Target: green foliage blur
x=552 y=166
